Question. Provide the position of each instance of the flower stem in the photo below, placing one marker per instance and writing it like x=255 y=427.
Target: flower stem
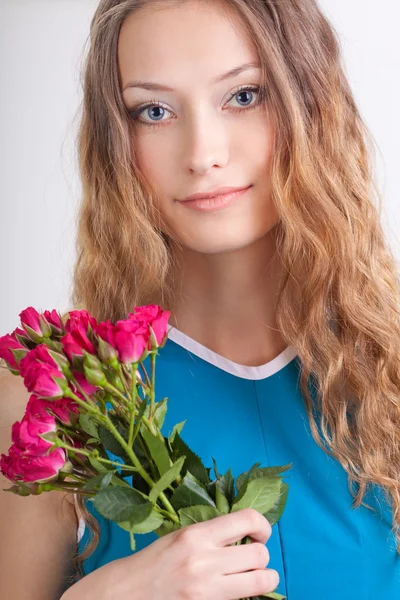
x=153 y=384
x=110 y=425
x=142 y=472
x=90 y=407
x=133 y=406
x=60 y=444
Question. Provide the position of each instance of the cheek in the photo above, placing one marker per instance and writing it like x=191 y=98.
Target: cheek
x=155 y=160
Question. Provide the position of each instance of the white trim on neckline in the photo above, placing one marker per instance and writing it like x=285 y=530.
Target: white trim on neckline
x=244 y=371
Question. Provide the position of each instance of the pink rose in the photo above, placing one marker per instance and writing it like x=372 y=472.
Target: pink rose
x=38 y=354
x=7 y=343
x=54 y=320
x=23 y=466
x=20 y=336
x=87 y=387
x=34 y=324
x=107 y=351
x=156 y=318
x=39 y=371
x=80 y=319
x=61 y=408
x=31 y=318
x=41 y=380
x=106 y=330
x=75 y=342
x=132 y=340
x=35 y=422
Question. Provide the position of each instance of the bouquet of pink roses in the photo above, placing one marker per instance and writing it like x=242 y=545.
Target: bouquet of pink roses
x=92 y=400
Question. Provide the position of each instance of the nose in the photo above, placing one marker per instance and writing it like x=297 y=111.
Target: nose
x=206 y=142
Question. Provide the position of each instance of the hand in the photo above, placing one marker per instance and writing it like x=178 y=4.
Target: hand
x=198 y=562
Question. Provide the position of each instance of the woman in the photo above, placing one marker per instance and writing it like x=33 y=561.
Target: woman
x=283 y=294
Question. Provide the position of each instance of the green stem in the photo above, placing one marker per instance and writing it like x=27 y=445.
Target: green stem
x=145 y=375
x=135 y=461
x=74 y=476
x=84 y=394
x=49 y=487
x=133 y=405
x=60 y=444
x=153 y=383
x=141 y=470
x=91 y=408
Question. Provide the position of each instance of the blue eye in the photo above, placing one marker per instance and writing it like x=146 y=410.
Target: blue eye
x=243 y=92
x=156 y=111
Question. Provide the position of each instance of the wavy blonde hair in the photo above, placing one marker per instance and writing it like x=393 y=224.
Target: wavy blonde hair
x=338 y=301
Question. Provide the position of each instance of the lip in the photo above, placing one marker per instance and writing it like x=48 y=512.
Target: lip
x=214 y=201
x=221 y=191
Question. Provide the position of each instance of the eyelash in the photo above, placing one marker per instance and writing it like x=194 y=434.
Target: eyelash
x=136 y=111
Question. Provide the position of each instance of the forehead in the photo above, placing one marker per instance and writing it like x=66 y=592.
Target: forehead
x=190 y=42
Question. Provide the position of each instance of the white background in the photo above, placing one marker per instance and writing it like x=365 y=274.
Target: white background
x=41 y=48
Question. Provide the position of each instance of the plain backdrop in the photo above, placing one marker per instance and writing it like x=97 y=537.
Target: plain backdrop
x=42 y=44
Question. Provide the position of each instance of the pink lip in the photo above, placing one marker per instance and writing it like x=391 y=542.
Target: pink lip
x=217 y=192
x=215 y=202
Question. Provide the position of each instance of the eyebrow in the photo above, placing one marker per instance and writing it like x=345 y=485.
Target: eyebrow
x=150 y=85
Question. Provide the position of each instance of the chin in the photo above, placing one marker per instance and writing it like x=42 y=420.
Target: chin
x=219 y=244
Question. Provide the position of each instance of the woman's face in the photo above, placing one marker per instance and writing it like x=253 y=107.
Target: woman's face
x=203 y=133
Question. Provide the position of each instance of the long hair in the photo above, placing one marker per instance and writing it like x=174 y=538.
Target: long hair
x=338 y=296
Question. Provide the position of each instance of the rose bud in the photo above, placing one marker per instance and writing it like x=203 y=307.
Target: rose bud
x=54 y=320
x=44 y=380
x=157 y=319
x=132 y=339
x=80 y=319
x=7 y=344
x=74 y=344
x=95 y=377
x=34 y=324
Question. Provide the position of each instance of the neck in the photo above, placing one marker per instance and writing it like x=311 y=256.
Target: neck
x=226 y=301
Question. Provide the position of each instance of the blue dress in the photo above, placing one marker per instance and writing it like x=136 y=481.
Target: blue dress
x=321 y=547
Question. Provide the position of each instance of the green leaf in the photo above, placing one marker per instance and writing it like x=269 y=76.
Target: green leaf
x=119 y=425
x=263 y=471
x=193 y=462
x=244 y=482
x=221 y=500
x=273 y=596
x=158 y=451
x=112 y=444
x=176 y=429
x=197 y=514
x=261 y=494
x=117 y=481
x=100 y=467
x=168 y=477
x=17 y=489
x=153 y=521
x=132 y=541
x=190 y=492
x=167 y=527
x=217 y=475
x=275 y=513
x=99 y=482
x=226 y=485
x=160 y=412
x=118 y=503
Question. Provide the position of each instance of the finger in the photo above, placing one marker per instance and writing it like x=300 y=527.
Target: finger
x=230 y=528
x=249 y=584
x=238 y=559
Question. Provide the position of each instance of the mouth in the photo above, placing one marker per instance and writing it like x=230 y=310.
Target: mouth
x=214 y=201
